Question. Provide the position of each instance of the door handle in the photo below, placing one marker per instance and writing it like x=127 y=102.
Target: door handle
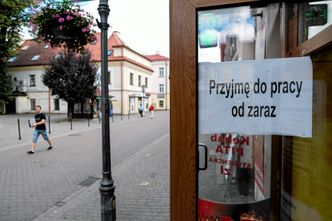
x=205 y=156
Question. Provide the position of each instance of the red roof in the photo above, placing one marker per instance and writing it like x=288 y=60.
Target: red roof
x=32 y=48
x=157 y=57
x=115 y=40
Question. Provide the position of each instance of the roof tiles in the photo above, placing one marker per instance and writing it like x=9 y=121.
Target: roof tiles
x=157 y=57
x=31 y=48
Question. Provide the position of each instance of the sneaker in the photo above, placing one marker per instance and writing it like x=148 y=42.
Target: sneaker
x=50 y=147
x=30 y=152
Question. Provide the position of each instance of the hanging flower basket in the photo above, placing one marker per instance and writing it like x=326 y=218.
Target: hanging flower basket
x=63 y=24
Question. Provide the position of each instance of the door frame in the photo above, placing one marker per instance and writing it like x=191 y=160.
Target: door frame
x=184 y=117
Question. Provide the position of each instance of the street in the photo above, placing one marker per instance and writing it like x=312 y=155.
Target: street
x=62 y=183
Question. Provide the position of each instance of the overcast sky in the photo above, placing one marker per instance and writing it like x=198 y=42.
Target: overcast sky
x=143 y=25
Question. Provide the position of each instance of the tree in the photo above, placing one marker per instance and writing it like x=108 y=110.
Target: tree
x=71 y=76
x=12 y=17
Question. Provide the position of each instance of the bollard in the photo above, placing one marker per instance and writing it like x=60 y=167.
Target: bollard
x=121 y=116
x=19 y=129
x=49 y=124
x=71 y=121
x=128 y=115
x=88 y=120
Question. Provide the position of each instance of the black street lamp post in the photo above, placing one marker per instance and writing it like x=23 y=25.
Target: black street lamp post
x=107 y=197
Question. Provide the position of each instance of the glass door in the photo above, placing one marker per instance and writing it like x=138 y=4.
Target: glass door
x=246 y=93
x=235 y=184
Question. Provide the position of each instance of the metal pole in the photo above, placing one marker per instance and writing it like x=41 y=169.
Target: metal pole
x=49 y=124
x=71 y=121
x=19 y=129
x=88 y=120
x=106 y=188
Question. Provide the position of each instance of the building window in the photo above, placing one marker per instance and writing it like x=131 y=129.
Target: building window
x=161 y=88
x=146 y=82
x=25 y=47
x=139 y=80
x=57 y=56
x=132 y=79
x=33 y=103
x=161 y=104
x=35 y=58
x=161 y=72
x=56 y=104
x=32 y=80
x=11 y=59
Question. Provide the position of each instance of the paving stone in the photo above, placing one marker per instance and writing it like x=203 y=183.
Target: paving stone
x=133 y=201
x=31 y=185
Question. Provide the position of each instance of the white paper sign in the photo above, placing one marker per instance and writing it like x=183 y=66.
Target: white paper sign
x=256 y=97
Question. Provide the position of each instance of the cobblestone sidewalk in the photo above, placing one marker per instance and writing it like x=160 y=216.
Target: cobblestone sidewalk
x=142 y=190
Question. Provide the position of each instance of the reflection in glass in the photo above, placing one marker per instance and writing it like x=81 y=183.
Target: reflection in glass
x=314 y=18
x=236 y=183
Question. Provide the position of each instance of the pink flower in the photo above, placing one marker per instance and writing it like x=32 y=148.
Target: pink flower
x=61 y=27
x=69 y=18
x=61 y=20
x=84 y=30
x=34 y=28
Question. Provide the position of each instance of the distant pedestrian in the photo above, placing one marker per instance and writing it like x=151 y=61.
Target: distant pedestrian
x=99 y=116
x=40 y=129
x=141 y=109
x=151 y=109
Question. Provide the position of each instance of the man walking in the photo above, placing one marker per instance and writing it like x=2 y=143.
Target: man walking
x=140 y=110
x=40 y=128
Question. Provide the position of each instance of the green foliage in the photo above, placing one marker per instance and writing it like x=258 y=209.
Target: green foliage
x=71 y=76
x=5 y=85
x=63 y=23
x=12 y=16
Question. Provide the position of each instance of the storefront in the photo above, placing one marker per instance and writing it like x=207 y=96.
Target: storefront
x=251 y=123
x=135 y=100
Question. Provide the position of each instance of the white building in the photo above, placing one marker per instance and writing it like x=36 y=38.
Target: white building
x=134 y=78
x=160 y=82
x=26 y=70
